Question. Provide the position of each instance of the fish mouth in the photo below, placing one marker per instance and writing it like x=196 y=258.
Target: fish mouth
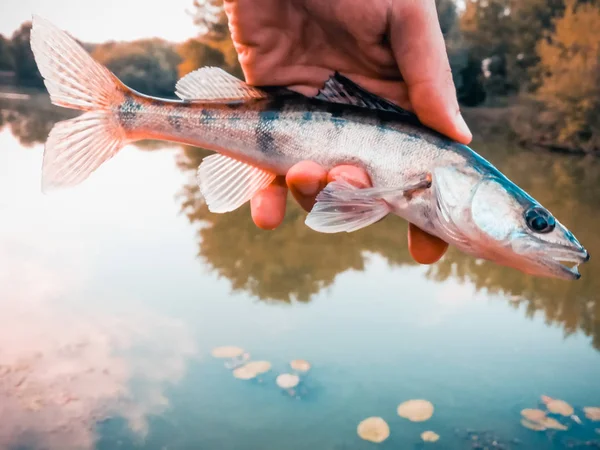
x=566 y=262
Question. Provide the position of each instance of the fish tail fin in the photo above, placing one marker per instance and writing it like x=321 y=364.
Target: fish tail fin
x=75 y=148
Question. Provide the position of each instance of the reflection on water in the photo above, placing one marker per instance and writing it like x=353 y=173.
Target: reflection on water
x=31 y=120
x=292 y=264
x=101 y=329
x=296 y=262
x=62 y=371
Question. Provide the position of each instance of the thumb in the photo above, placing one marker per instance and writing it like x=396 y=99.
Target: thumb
x=420 y=52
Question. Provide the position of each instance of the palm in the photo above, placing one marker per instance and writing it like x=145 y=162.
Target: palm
x=300 y=43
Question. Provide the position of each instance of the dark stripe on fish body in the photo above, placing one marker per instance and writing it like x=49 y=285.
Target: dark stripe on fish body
x=337 y=112
x=128 y=111
x=236 y=104
x=174 y=120
x=265 y=126
x=234 y=117
x=206 y=116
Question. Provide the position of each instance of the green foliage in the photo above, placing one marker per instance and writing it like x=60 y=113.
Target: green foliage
x=24 y=63
x=148 y=65
x=508 y=31
x=6 y=58
x=447 y=16
x=466 y=70
x=470 y=90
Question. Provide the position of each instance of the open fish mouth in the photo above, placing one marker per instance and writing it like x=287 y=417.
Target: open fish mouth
x=567 y=262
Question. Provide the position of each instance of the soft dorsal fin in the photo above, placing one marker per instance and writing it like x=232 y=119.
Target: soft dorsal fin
x=339 y=89
x=214 y=84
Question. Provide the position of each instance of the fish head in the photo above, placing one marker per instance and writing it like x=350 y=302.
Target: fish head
x=483 y=213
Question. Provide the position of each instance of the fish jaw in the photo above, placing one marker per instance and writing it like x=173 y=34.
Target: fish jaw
x=560 y=259
x=484 y=214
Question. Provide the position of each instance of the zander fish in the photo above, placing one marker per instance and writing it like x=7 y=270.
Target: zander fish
x=441 y=186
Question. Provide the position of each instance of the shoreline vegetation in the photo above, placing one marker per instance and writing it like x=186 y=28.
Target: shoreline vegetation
x=528 y=69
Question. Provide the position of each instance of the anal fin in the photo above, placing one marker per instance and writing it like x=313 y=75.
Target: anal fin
x=226 y=183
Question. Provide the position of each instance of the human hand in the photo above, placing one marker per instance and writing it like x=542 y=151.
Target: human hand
x=393 y=48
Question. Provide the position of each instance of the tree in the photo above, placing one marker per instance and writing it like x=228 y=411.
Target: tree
x=210 y=17
x=24 y=63
x=507 y=31
x=570 y=76
x=6 y=58
x=194 y=54
x=148 y=65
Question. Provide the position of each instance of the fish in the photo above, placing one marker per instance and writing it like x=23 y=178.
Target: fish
x=259 y=133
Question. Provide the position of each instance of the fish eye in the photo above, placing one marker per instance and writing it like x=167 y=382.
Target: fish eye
x=539 y=220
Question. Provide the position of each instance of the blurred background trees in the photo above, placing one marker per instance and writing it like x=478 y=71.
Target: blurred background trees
x=569 y=76
x=6 y=58
x=538 y=58
x=148 y=65
x=24 y=65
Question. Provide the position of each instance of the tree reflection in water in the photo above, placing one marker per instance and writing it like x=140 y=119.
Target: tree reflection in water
x=295 y=263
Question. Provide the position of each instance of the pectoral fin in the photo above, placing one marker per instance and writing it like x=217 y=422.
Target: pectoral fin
x=344 y=207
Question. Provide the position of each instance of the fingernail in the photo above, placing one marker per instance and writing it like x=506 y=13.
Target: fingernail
x=462 y=126
x=308 y=188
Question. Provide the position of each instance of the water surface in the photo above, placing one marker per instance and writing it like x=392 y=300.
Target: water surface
x=113 y=293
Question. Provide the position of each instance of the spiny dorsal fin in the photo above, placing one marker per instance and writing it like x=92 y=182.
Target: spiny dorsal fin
x=226 y=183
x=339 y=89
x=214 y=84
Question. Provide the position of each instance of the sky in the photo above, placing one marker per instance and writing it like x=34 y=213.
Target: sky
x=113 y=20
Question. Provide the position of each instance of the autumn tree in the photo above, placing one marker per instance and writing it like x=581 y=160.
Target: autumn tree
x=570 y=76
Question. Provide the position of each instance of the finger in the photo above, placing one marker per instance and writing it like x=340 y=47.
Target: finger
x=268 y=206
x=305 y=180
x=423 y=247
x=354 y=175
x=420 y=51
